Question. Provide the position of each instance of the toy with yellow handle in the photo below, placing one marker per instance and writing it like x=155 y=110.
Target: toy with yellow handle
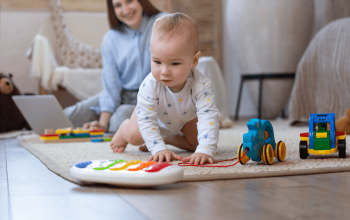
x=260 y=143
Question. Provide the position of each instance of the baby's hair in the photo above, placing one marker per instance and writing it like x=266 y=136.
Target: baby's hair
x=176 y=24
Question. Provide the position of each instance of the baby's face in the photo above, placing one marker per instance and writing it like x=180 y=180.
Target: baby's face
x=172 y=60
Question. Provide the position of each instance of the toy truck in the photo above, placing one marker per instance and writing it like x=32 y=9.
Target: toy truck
x=260 y=143
x=322 y=137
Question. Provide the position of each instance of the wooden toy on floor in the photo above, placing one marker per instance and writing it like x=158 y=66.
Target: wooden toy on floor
x=322 y=137
x=260 y=143
x=133 y=173
x=66 y=135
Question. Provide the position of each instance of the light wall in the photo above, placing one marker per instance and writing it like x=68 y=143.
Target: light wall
x=230 y=64
x=17 y=30
x=232 y=72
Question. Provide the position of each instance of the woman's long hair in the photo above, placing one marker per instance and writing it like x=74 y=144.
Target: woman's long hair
x=116 y=24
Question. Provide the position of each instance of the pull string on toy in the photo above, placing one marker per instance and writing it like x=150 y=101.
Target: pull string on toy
x=190 y=165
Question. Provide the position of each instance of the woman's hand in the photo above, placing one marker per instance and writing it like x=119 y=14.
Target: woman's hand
x=168 y=155
x=198 y=158
x=101 y=124
x=93 y=125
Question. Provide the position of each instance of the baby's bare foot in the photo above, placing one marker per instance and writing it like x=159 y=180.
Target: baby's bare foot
x=118 y=149
x=118 y=144
x=143 y=148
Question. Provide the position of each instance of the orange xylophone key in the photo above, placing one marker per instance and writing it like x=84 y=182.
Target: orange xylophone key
x=141 y=165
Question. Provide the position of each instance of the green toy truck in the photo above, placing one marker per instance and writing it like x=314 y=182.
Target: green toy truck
x=322 y=137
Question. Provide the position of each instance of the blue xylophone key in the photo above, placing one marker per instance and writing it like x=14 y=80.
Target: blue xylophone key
x=82 y=165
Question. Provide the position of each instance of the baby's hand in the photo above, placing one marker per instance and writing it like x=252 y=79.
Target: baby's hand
x=164 y=154
x=197 y=158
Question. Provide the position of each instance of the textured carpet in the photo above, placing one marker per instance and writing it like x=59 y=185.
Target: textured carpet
x=59 y=157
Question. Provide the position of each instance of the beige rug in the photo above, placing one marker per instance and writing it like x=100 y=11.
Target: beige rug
x=60 y=157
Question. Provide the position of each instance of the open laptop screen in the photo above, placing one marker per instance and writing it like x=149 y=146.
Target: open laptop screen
x=42 y=112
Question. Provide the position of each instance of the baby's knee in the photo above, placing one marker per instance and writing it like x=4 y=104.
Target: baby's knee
x=192 y=147
x=192 y=141
x=134 y=137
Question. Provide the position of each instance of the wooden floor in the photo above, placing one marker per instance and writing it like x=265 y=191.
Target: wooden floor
x=28 y=190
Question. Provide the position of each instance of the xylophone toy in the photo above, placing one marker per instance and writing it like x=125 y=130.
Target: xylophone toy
x=133 y=173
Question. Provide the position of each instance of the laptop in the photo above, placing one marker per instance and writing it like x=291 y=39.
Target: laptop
x=42 y=112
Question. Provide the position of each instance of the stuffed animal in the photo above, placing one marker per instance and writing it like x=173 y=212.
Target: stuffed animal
x=10 y=117
x=343 y=123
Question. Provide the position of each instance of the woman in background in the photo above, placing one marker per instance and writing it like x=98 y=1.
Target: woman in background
x=126 y=62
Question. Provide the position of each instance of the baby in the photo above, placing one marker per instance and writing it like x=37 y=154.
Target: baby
x=175 y=97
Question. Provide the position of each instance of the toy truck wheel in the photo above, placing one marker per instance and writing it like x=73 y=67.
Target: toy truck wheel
x=342 y=148
x=280 y=151
x=303 y=150
x=267 y=154
x=240 y=152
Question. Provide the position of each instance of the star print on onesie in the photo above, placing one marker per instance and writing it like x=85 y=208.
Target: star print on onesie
x=162 y=112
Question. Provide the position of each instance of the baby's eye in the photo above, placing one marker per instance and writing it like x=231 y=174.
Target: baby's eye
x=175 y=64
x=157 y=62
x=129 y=1
x=118 y=5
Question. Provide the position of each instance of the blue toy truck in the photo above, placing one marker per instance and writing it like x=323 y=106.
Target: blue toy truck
x=260 y=143
x=322 y=137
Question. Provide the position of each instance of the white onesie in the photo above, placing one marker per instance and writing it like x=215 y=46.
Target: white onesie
x=162 y=112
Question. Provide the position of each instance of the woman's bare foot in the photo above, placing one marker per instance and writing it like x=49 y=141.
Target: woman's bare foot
x=143 y=148
x=118 y=144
